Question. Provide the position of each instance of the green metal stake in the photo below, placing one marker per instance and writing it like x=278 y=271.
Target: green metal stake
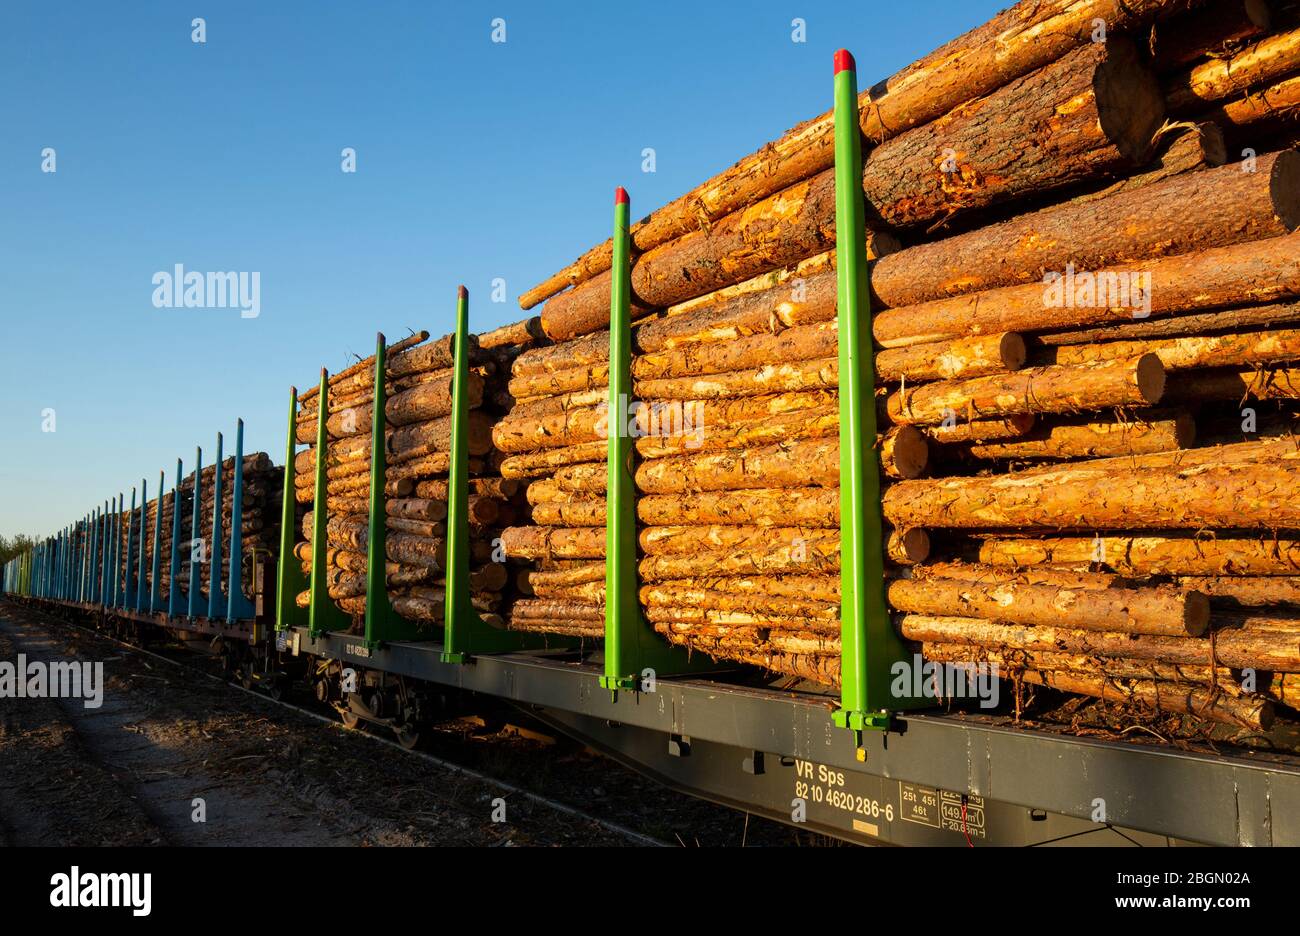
x=868 y=644
x=323 y=614
x=466 y=632
x=633 y=651
x=382 y=622
x=289 y=578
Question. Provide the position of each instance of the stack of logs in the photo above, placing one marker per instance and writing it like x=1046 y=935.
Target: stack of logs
x=259 y=530
x=418 y=433
x=554 y=442
x=1087 y=317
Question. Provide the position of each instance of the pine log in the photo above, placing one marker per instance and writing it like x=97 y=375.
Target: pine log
x=586 y=351
x=656 y=614
x=819 y=557
x=586 y=573
x=1065 y=672
x=1243 y=319
x=821 y=422
x=1234 y=349
x=589 y=512
x=523 y=334
x=1155 y=432
x=500 y=489
x=1247 y=591
x=517 y=433
x=1083 y=497
x=799 y=464
x=1275 y=104
x=1217 y=78
x=687 y=540
x=817 y=588
x=801 y=300
x=667 y=595
x=1221 y=677
x=801 y=343
x=1258 y=271
x=982 y=430
x=545 y=462
x=818 y=374
x=1188 y=212
x=813 y=507
x=429 y=401
x=553 y=542
x=1153 y=555
x=976 y=356
x=1135 y=381
x=589 y=377
x=1151 y=610
x=557 y=610
x=1236 y=648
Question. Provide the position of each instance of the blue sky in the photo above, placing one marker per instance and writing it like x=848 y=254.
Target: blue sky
x=475 y=160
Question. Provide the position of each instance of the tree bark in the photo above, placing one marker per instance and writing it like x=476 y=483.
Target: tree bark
x=1218 y=78
x=1135 y=381
x=977 y=356
x=1152 y=555
x=1235 y=648
x=553 y=542
x=545 y=462
x=1263 y=496
x=799 y=464
x=1152 y=433
x=1193 y=351
x=1258 y=271
x=1151 y=610
x=1188 y=212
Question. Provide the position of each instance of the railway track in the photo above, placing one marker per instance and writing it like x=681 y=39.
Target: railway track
x=327 y=762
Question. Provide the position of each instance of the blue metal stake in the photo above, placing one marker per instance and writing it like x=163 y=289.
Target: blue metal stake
x=238 y=606
x=216 y=599
x=101 y=593
x=140 y=602
x=196 y=529
x=128 y=594
x=155 y=589
x=174 y=564
x=92 y=592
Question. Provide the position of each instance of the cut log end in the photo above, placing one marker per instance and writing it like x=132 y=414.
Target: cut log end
x=1129 y=102
x=1284 y=188
x=1150 y=375
x=1012 y=350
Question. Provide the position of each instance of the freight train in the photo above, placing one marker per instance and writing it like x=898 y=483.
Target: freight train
x=941 y=633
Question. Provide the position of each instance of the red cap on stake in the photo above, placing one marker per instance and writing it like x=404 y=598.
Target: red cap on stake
x=843 y=61
x=462 y=293
x=620 y=196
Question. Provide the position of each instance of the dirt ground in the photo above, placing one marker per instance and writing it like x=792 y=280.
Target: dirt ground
x=174 y=757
